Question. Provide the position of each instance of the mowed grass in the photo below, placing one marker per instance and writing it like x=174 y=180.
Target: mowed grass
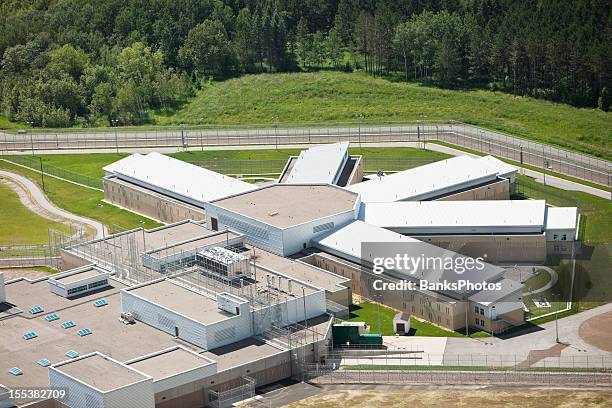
x=455 y=398
x=19 y=225
x=368 y=312
x=79 y=200
x=339 y=97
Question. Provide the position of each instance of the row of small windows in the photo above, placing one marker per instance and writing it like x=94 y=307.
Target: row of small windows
x=92 y=285
x=479 y=322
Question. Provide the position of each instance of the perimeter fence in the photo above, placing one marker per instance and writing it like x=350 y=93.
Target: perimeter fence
x=520 y=150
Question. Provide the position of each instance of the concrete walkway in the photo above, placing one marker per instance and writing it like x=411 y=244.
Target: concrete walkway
x=541 y=338
x=46 y=208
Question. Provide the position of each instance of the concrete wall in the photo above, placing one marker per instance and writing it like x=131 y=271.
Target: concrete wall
x=297 y=238
x=499 y=190
x=149 y=203
x=499 y=248
x=357 y=173
x=72 y=261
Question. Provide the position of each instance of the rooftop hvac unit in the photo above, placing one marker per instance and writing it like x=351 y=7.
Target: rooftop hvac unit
x=223 y=263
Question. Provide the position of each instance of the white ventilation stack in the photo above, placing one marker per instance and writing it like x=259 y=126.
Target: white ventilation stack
x=2 y=290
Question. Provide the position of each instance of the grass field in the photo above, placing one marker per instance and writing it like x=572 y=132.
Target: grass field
x=81 y=201
x=333 y=96
x=455 y=398
x=368 y=312
x=19 y=225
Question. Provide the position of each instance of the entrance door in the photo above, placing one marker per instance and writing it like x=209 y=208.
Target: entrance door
x=176 y=331
x=400 y=327
x=215 y=224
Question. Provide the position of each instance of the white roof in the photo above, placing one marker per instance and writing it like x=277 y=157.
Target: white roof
x=457 y=217
x=561 y=218
x=348 y=239
x=503 y=169
x=487 y=297
x=319 y=164
x=426 y=182
x=347 y=242
x=126 y=161
x=179 y=179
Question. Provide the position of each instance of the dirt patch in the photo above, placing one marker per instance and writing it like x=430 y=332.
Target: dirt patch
x=596 y=331
x=23 y=273
x=456 y=398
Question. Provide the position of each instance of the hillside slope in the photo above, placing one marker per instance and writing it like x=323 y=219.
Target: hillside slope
x=333 y=96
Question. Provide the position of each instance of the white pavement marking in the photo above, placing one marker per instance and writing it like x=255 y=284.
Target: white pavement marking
x=41 y=199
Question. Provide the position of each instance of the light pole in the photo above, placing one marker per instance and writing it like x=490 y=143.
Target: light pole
x=491 y=315
x=557 y=320
x=183 y=135
x=275 y=121
x=30 y=123
x=360 y=118
x=115 y=122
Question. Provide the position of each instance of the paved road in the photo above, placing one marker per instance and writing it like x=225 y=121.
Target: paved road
x=41 y=200
x=524 y=151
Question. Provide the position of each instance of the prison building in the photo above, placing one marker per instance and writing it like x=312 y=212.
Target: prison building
x=350 y=252
x=457 y=178
x=164 y=188
x=283 y=218
x=505 y=230
x=325 y=164
x=96 y=380
x=198 y=318
x=80 y=281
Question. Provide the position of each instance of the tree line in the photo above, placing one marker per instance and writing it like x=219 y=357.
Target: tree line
x=105 y=62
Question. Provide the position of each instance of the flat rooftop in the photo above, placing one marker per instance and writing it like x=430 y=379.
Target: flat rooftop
x=177 y=178
x=214 y=238
x=79 y=276
x=438 y=217
x=182 y=300
x=319 y=164
x=100 y=372
x=109 y=336
x=300 y=270
x=426 y=182
x=241 y=352
x=561 y=218
x=170 y=362
x=174 y=233
x=285 y=205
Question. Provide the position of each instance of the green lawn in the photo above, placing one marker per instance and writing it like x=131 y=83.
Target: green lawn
x=19 y=225
x=537 y=281
x=334 y=97
x=81 y=201
x=596 y=212
x=368 y=312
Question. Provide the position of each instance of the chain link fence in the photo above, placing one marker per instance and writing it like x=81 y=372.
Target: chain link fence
x=37 y=164
x=496 y=143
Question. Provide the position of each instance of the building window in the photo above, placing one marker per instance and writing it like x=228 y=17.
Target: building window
x=564 y=237
x=555 y=237
x=476 y=309
x=77 y=289
x=477 y=320
x=482 y=311
x=482 y=322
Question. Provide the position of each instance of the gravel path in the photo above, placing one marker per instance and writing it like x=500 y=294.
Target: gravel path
x=35 y=199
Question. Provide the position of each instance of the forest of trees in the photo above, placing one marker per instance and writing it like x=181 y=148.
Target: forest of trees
x=105 y=62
